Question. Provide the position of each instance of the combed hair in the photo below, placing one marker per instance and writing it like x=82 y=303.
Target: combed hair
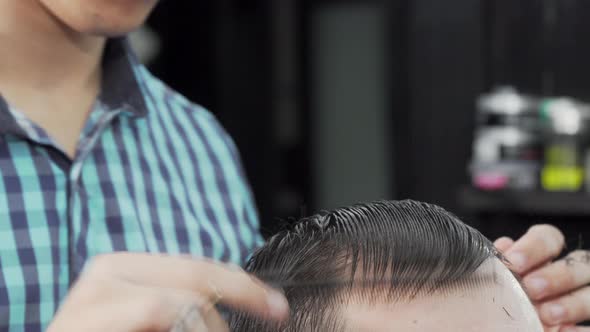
x=382 y=251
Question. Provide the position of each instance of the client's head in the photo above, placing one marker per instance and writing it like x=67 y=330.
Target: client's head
x=389 y=266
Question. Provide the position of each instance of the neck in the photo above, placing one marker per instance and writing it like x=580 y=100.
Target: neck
x=38 y=52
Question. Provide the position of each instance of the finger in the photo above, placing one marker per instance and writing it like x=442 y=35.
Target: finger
x=199 y=319
x=121 y=306
x=190 y=319
x=161 y=309
x=503 y=244
x=539 y=245
x=560 y=277
x=236 y=288
x=570 y=309
x=574 y=329
x=215 y=322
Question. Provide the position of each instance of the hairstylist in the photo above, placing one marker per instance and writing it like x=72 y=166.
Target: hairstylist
x=100 y=164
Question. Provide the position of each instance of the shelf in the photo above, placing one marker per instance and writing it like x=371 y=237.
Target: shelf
x=525 y=202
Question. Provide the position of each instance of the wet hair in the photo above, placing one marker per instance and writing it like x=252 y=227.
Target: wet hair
x=382 y=251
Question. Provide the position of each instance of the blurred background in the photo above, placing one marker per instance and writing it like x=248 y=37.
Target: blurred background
x=475 y=105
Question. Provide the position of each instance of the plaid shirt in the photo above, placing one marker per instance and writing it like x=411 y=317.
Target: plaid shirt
x=152 y=173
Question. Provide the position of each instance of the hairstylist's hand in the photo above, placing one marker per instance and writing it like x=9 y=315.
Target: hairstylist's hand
x=560 y=289
x=127 y=292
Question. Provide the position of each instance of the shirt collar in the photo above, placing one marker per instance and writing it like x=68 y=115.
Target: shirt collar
x=121 y=85
x=8 y=124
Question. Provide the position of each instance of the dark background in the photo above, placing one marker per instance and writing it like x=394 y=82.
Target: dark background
x=404 y=75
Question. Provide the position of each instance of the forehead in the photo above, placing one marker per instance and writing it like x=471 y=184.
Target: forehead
x=500 y=306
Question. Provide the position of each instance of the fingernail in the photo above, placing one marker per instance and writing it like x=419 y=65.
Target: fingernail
x=536 y=286
x=277 y=305
x=556 y=312
x=517 y=259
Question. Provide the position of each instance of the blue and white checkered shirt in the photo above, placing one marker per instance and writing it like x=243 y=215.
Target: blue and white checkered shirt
x=152 y=173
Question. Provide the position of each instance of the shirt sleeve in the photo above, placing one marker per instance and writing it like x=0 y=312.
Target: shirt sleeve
x=250 y=224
